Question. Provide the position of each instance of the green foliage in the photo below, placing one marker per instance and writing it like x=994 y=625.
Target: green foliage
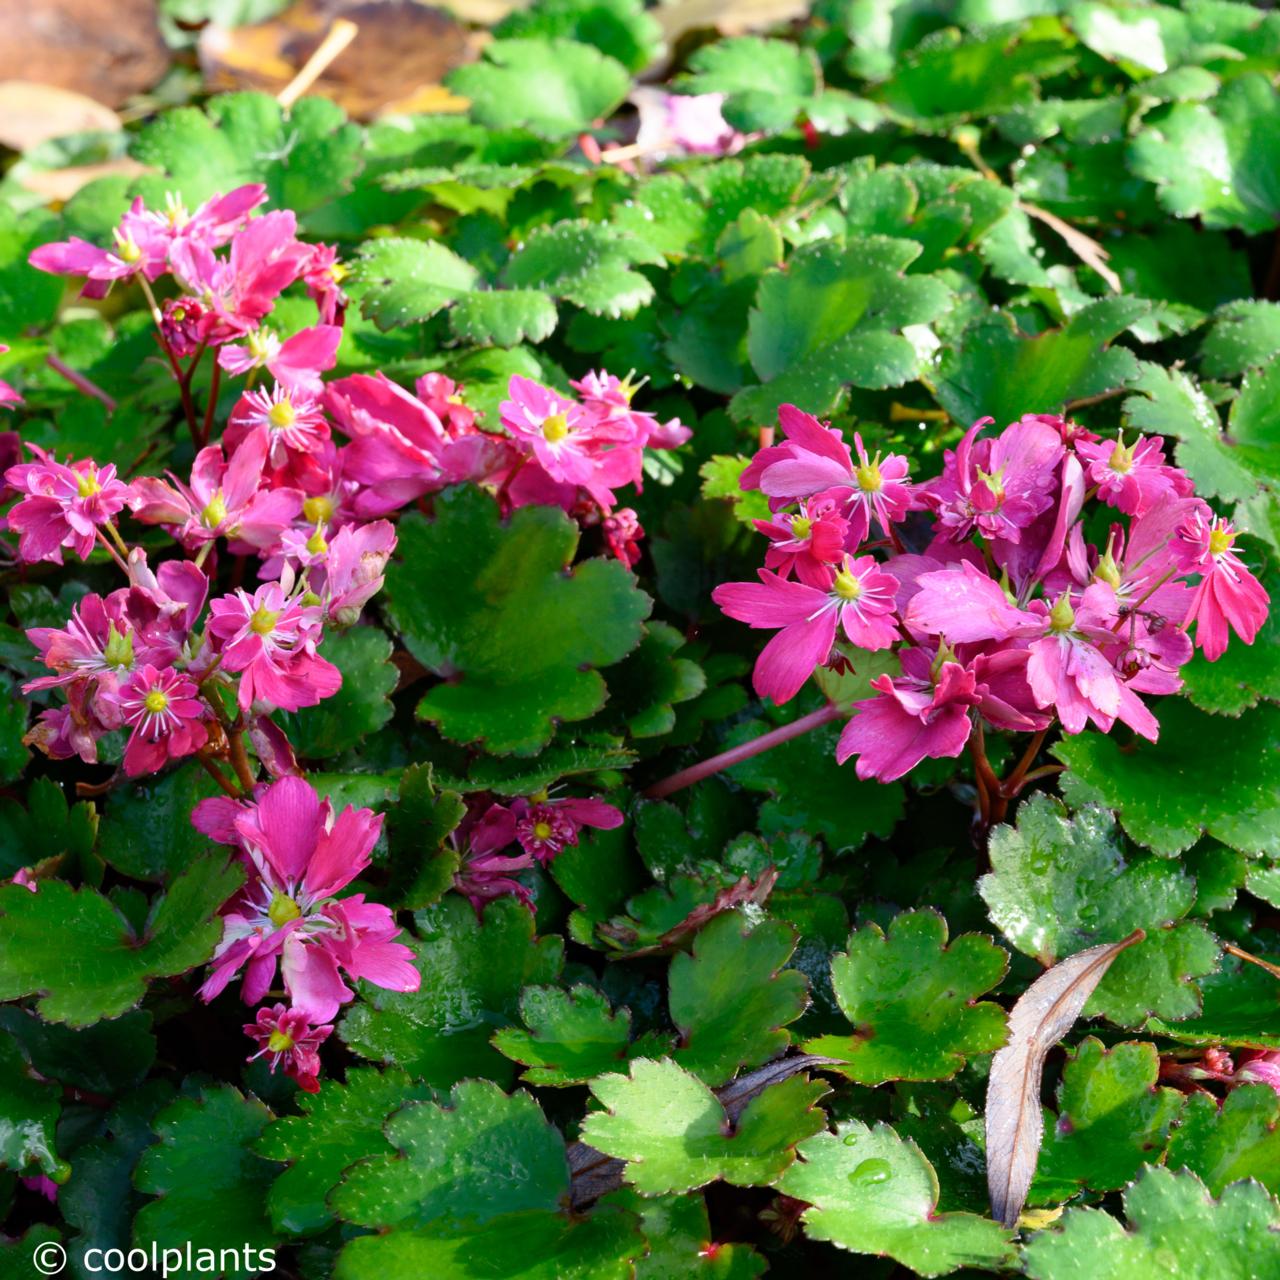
x=30 y=1109
x=1224 y=1144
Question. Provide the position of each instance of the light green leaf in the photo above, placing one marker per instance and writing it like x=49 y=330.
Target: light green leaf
x=1223 y=1142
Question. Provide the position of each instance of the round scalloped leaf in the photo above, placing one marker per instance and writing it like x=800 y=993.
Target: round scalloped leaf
x=503 y=317
x=1112 y=1119
x=401 y=281
x=678 y=1231
x=473 y=974
x=211 y=1189
x=913 y=1001
x=555 y=88
x=1174 y=1228
x=340 y=1125
x=79 y=954
x=1241 y=1008
x=1061 y=884
x=1206 y=774
x=483 y=1154
x=1244 y=335
x=870 y=1191
x=621 y=28
x=768 y=83
x=1222 y=1142
x=731 y=999
x=674 y=1134
x=494 y=608
x=29 y=1110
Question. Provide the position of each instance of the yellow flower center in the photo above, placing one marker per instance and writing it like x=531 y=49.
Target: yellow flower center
x=801 y=527
x=1220 y=540
x=126 y=250
x=282 y=909
x=1121 y=459
x=263 y=621
x=282 y=414
x=118 y=651
x=259 y=344
x=1062 y=617
x=87 y=483
x=279 y=1042
x=318 y=510
x=215 y=513
x=555 y=428
x=868 y=477
x=846 y=586
x=994 y=482
x=156 y=701
x=1108 y=571
x=337 y=273
x=542 y=830
x=316 y=544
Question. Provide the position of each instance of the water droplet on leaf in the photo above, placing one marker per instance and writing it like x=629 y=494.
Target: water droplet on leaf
x=870 y=1172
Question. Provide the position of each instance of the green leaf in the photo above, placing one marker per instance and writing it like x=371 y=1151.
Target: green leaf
x=997 y=371
x=647 y=686
x=339 y=1126
x=1174 y=1226
x=1061 y=884
x=107 y=1058
x=809 y=792
x=1244 y=335
x=722 y=478
x=678 y=1230
x=360 y=707
x=1112 y=1119
x=674 y=1134
x=1216 y=160
x=404 y=281
x=870 y=1191
x=1241 y=1009
x=13 y=725
x=29 y=298
x=473 y=974
x=1171 y=404
x=572 y=1037
x=1245 y=674
x=553 y=87
x=146 y=830
x=620 y=28
x=29 y=1107
x=1253 y=418
x=833 y=318
x=422 y=864
x=493 y=607
x=210 y=1187
x=1223 y=1142
x=768 y=83
x=731 y=999
x=1206 y=774
x=912 y=1000
x=503 y=317
x=590 y=264
x=78 y=953
x=482 y=1155
x=46 y=827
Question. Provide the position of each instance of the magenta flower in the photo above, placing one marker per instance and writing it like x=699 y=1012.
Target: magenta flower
x=270 y=639
x=1228 y=594
x=560 y=432
x=8 y=395
x=167 y=716
x=300 y=855
x=295 y=364
x=1259 y=1066
x=354 y=564
x=859 y=600
x=287 y=1039
x=323 y=275
x=807 y=542
x=692 y=123
x=923 y=712
x=291 y=420
x=64 y=505
x=485 y=872
x=1131 y=478
x=546 y=826
x=609 y=398
x=622 y=534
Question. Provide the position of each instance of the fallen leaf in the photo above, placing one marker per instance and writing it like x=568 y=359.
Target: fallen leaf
x=400 y=53
x=731 y=18
x=108 y=51
x=59 y=185
x=1042 y=1016
x=32 y=113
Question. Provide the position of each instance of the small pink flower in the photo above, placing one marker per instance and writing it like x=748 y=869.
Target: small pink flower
x=323 y=275
x=167 y=716
x=692 y=123
x=354 y=564
x=24 y=877
x=64 y=505
x=1131 y=478
x=1259 y=1067
x=545 y=827
x=807 y=542
x=1228 y=594
x=295 y=364
x=622 y=535
x=560 y=432
x=609 y=398
x=291 y=420
x=287 y=1039
x=485 y=872
x=300 y=855
x=859 y=599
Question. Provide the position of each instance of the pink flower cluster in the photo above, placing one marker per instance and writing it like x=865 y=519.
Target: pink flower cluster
x=998 y=608
x=542 y=826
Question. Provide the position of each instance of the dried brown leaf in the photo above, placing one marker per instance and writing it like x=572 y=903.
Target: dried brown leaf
x=1041 y=1017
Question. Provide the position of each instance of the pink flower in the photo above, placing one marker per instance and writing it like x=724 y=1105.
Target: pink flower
x=997 y=486
x=692 y=123
x=271 y=639
x=560 y=433
x=610 y=398
x=74 y=729
x=924 y=712
x=167 y=715
x=1259 y=1066
x=64 y=505
x=622 y=534
x=807 y=542
x=287 y=1039
x=1228 y=594
x=291 y=420
x=859 y=599
x=353 y=574
x=323 y=275
x=24 y=877
x=545 y=827
x=1131 y=478
x=8 y=395
x=300 y=855
x=486 y=873
x=295 y=364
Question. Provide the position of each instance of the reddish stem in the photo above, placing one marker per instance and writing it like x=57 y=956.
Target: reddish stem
x=240 y=761
x=735 y=755
x=79 y=381
x=218 y=776
x=213 y=403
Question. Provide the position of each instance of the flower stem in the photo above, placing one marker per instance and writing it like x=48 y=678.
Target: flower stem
x=1010 y=787
x=240 y=761
x=79 y=381
x=217 y=775
x=212 y=405
x=115 y=555
x=735 y=755
x=1241 y=954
